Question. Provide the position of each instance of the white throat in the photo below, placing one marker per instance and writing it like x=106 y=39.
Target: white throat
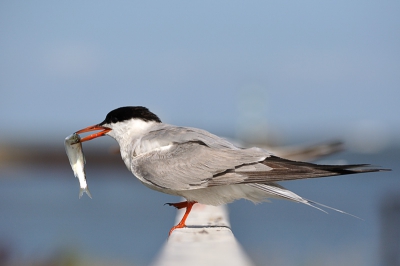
x=127 y=133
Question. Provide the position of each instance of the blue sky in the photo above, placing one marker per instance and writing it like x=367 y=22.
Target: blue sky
x=289 y=67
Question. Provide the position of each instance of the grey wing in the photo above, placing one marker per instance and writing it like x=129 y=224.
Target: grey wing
x=284 y=170
x=197 y=159
x=192 y=165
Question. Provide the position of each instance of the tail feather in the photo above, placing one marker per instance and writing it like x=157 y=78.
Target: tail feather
x=282 y=170
x=312 y=203
x=277 y=191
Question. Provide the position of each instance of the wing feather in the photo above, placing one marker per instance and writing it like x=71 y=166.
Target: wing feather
x=192 y=165
x=180 y=158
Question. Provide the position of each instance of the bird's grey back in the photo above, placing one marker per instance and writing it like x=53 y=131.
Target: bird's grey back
x=173 y=134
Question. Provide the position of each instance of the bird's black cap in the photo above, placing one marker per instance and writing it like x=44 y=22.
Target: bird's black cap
x=129 y=112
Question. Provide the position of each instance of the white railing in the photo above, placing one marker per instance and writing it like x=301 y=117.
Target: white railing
x=207 y=240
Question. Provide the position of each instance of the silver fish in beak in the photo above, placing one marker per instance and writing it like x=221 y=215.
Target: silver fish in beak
x=73 y=148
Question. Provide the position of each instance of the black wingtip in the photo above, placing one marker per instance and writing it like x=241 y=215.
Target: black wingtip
x=363 y=168
x=284 y=170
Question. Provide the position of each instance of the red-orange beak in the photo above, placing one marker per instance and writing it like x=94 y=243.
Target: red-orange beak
x=103 y=131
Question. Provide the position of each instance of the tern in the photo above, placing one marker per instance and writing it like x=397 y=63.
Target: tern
x=202 y=167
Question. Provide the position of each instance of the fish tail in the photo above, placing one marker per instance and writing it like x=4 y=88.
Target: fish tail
x=86 y=190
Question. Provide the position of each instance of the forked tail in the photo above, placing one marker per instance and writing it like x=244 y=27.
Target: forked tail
x=86 y=190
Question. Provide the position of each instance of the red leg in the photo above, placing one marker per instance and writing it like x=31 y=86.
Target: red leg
x=189 y=206
x=178 y=205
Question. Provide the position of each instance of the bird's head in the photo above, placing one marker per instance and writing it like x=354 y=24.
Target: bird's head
x=122 y=121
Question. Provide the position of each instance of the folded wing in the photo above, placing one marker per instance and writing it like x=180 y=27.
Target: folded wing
x=194 y=165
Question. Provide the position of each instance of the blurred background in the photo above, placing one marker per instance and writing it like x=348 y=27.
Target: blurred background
x=274 y=73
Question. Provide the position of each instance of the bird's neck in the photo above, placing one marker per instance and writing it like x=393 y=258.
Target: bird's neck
x=127 y=134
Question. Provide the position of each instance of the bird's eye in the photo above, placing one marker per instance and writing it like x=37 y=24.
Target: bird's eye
x=114 y=119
